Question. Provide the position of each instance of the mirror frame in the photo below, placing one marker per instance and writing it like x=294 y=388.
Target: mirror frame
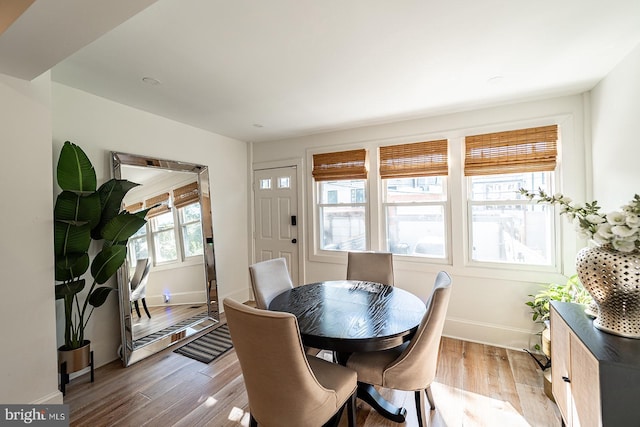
x=129 y=351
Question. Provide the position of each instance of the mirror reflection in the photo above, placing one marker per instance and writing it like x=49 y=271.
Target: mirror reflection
x=167 y=285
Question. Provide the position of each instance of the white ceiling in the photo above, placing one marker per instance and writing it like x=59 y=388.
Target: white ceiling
x=299 y=67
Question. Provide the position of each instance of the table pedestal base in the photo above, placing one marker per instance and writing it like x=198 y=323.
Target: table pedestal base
x=369 y=394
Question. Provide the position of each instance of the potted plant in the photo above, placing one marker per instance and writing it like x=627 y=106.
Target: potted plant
x=83 y=214
x=571 y=291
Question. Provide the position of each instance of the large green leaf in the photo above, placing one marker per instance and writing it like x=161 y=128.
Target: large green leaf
x=123 y=226
x=111 y=194
x=69 y=238
x=75 y=171
x=73 y=207
x=99 y=295
x=69 y=289
x=107 y=262
x=70 y=266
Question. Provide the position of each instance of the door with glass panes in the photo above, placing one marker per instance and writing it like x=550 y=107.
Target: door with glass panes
x=276 y=210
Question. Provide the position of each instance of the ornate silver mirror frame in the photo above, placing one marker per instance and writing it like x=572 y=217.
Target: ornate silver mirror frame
x=135 y=348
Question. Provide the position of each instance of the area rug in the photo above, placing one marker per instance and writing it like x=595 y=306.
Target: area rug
x=209 y=346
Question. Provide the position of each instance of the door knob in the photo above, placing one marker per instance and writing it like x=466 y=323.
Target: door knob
x=294 y=240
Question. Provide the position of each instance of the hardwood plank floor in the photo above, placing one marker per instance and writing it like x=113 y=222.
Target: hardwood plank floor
x=476 y=385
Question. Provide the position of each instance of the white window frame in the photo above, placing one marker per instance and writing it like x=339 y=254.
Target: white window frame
x=181 y=233
x=319 y=218
x=446 y=212
x=554 y=245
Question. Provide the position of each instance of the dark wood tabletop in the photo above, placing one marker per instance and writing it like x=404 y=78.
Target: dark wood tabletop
x=348 y=316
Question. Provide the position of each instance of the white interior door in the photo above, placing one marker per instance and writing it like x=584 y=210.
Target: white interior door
x=276 y=212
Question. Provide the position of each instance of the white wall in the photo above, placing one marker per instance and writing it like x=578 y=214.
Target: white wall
x=28 y=371
x=100 y=126
x=615 y=114
x=488 y=305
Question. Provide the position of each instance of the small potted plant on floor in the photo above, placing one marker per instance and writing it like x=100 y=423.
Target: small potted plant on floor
x=571 y=291
x=84 y=214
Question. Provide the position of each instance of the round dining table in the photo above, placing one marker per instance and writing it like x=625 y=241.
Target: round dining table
x=348 y=316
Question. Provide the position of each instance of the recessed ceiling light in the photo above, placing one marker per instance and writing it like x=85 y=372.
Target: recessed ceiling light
x=257 y=125
x=151 y=81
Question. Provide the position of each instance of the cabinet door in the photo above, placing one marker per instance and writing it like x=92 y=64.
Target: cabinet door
x=560 y=365
x=585 y=385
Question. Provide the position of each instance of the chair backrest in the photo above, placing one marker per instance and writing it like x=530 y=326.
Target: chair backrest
x=416 y=367
x=282 y=388
x=370 y=266
x=137 y=285
x=268 y=279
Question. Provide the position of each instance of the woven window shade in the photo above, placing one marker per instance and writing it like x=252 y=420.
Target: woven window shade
x=427 y=158
x=135 y=207
x=523 y=150
x=186 y=195
x=341 y=165
x=163 y=199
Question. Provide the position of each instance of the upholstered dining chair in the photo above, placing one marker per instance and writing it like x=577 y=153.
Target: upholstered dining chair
x=412 y=366
x=285 y=386
x=370 y=266
x=138 y=285
x=268 y=279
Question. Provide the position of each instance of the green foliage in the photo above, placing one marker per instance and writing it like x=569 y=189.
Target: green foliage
x=572 y=291
x=84 y=214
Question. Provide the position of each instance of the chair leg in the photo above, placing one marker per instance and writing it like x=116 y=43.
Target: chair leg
x=146 y=310
x=430 y=398
x=252 y=421
x=422 y=416
x=135 y=304
x=351 y=409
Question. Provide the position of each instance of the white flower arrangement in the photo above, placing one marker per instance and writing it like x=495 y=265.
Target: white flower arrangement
x=619 y=230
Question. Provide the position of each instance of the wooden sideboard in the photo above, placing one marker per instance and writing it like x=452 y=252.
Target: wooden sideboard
x=595 y=375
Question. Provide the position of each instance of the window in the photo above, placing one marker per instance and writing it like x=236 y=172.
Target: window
x=164 y=238
x=415 y=198
x=343 y=224
x=191 y=230
x=187 y=202
x=138 y=247
x=504 y=227
x=342 y=203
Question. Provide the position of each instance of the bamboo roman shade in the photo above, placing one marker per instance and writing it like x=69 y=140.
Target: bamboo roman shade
x=341 y=165
x=523 y=150
x=133 y=208
x=163 y=199
x=417 y=159
x=185 y=195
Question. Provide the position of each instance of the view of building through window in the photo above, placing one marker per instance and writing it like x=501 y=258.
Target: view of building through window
x=343 y=213
x=415 y=210
x=505 y=227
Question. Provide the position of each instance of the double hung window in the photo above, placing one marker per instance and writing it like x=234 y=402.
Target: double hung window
x=503 y=226
x=414 y=198
x=342 y=200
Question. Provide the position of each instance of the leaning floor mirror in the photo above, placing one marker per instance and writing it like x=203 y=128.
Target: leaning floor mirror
x=170 y=269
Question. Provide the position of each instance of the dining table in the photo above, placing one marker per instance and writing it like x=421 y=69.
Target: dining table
x=349 y=316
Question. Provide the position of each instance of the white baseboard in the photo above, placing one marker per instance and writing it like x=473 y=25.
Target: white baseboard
x=54 y=398
x=486 y=333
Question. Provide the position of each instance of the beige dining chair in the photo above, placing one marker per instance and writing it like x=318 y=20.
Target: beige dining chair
x=370 y=266
x=412 y=366
x=269 y=279
x=285 y=386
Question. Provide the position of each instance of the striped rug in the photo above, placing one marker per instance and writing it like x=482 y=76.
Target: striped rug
x=209 y=346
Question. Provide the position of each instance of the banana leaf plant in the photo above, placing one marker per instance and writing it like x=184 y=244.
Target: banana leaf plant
x=83 y=214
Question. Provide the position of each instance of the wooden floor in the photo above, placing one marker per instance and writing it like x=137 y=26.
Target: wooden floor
x=163 y=317
x=476 y=385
